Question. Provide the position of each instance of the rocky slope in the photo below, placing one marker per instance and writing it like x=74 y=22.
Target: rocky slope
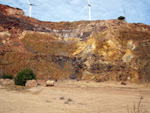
x=88 y=50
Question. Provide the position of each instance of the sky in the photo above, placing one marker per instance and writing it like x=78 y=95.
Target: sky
x=137 y=11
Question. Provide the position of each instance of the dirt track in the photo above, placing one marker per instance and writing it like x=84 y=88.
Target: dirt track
x=76 y=97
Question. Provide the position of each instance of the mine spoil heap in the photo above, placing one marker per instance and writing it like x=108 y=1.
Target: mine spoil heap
x=85 y=50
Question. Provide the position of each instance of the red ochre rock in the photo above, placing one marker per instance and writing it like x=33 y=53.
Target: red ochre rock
x=98 y=50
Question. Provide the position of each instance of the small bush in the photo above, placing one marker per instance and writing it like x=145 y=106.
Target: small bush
x=23 y=76
x=18 y=8
x=7 y=76
x=121 y=17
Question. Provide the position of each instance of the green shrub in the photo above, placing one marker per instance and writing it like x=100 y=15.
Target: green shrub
x=23 y=76
x=18 y=8
x=7 y=76
x=121 y=17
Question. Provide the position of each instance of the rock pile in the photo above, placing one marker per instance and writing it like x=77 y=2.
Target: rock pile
x=31 y=83
x=7 y=82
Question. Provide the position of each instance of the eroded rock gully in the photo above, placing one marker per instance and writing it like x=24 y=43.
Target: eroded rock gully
x=88 y=50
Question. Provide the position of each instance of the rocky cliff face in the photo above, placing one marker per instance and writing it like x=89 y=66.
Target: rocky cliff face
x=88 y=50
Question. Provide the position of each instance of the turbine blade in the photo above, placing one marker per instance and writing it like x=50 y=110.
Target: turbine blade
x=93 y=5
x=28 y=1
x=35 y=4
x=88 y=2
x=84 y=8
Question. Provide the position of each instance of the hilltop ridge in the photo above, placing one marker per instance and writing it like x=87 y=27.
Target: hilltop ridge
x=88 y=50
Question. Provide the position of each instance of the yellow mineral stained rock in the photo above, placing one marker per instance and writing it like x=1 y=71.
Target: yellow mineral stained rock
x=4 y=41
x=128 y=56
x=100 y=50
x=111 y=44
x=81 y=47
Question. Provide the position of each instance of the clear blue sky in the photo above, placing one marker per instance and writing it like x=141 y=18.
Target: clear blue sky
x=137 y=11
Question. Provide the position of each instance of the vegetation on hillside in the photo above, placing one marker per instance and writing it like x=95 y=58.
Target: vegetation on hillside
x=7 y=76
x=121 y=18
x=23 y=76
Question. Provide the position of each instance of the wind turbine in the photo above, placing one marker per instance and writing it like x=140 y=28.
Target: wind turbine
x=30 y=8
x=125 y=15
x=89 y=5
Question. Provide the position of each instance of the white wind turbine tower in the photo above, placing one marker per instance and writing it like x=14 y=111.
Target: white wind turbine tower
x=30 y=8
x=125 y=15
x=89 y=5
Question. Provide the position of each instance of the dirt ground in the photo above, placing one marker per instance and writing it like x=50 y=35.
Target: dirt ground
x=77 y=97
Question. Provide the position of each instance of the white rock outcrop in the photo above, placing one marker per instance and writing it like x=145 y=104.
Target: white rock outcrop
x=50 y=83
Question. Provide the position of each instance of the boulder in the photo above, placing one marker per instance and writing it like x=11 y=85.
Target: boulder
x=31 y=83
x=50 y=83
x=6 y=82
x=123 y=83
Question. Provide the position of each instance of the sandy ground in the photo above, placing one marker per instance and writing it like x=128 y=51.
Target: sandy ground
x=76 y=97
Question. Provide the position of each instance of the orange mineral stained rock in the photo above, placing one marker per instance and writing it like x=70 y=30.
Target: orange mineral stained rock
x=93 y=50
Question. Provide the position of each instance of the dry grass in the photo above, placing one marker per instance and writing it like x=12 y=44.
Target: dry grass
x=137 y=108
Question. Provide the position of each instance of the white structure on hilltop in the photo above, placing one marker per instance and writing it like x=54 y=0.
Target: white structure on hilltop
x=125 y=15
x=30 y=8
x=89 y=5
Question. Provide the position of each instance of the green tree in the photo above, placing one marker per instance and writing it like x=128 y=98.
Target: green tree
x=121 y=17
x=23 y=76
